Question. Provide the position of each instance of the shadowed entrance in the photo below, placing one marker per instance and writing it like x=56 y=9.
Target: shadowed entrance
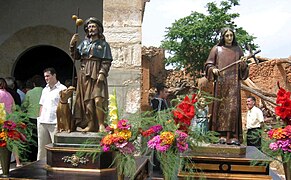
x=34 y=60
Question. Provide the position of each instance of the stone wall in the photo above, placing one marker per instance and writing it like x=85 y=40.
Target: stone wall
x=122 y=28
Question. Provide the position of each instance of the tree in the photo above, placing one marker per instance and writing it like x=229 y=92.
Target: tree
x=191 y=38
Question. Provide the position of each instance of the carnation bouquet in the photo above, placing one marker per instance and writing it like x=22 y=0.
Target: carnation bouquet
x=278 y=142
x=167 y=136
x=119 y=138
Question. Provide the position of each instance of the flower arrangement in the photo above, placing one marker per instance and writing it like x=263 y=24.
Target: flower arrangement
x=168 y=138
x=118 y=139
x=281 y=136
x=15 y=132
x=278 y=141
x=282 y=139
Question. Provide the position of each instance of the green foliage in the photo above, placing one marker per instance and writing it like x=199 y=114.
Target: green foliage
x=191 y=38
x=126 y=165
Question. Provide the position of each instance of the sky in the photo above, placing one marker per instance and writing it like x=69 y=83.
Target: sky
x=268 y=20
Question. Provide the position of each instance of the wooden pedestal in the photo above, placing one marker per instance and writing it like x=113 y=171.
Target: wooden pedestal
x=62 y=155
x=251 y=165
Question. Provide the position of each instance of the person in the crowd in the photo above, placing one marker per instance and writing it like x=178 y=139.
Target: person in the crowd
x=29 y=85
x=31 y=106
x=255 y=120
x=47 y=120
x=7 y=99
x=11 y=88
x=226 y=113
x=92 y=87
x=159 y=102
x=19 y=89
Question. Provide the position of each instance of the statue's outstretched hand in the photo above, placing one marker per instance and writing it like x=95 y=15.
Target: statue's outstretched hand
x=243 y=64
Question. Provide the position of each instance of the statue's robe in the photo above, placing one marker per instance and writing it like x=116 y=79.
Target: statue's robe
x=226 y=114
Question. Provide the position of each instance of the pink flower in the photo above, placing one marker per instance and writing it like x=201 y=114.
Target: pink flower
x=181 y=135
x=106 y=148
x=157 y=128
x=123 y=124
x=162 y=148
x=273 y=146
x=10 y=125
x=127 y=149
x=270 y=133
x=182 y=146
x=120 y=144
x=154 y=141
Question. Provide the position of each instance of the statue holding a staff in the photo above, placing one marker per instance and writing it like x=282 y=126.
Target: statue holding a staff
x=95 y=56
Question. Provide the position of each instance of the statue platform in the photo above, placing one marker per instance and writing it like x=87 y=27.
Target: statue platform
x=37 y=170
x=223 y=162
x=62 y=155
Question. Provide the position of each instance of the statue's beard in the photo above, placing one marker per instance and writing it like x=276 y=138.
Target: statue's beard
x=93 y=33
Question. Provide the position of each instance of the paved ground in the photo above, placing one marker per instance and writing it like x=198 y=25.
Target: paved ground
x=13 y=166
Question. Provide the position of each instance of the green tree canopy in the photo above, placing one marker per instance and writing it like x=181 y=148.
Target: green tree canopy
x=191 y=38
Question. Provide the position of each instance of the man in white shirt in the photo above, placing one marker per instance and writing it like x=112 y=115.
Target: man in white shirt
x=255 y=121
x=47 y=120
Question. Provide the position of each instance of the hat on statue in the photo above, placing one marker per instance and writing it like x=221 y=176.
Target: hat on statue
x=93 y=20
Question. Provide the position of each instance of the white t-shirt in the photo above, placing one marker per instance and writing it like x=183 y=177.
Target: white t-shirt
x=254 y=118
x=49 y=100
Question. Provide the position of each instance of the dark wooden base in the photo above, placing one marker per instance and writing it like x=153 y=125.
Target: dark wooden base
x=69 y=153
x=37 y=170
x=252 y=165
x=67 y=158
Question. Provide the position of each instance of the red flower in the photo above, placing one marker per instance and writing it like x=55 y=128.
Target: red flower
x=185 y=112
x=148 y=132
x=284 y=111
x=15 y=135
x=281 y=111
x=282 y=95
x=2 y=143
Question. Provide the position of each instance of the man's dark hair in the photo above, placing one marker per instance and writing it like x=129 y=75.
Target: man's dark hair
x=38 y=81
x=160 y=87
x=253 y=98
x=51 y=70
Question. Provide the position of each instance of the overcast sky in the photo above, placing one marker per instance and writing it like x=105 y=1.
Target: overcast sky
x=268 y=20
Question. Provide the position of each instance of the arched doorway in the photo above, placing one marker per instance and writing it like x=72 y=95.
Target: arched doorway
x=34 y=60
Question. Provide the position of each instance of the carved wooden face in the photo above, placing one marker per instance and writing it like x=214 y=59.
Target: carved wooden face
x=228 y=38
x=92 y=29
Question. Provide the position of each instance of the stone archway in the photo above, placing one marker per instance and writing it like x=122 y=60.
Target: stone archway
x=35 y=59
